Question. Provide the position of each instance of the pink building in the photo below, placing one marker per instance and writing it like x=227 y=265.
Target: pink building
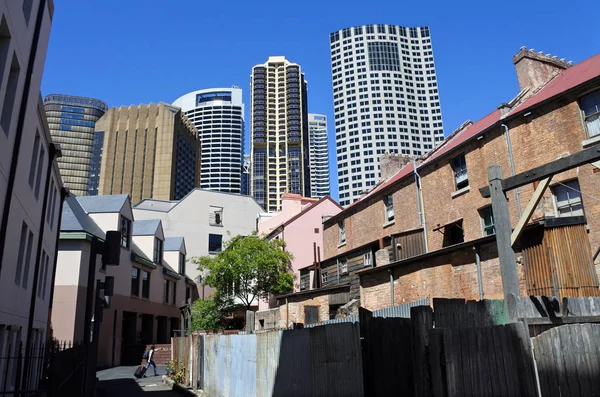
x=300 y=225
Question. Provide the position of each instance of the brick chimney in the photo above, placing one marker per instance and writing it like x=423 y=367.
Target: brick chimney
x=534 y=70
x=389 y=164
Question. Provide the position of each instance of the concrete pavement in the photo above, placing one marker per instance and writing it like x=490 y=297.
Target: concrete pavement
x=119 y=381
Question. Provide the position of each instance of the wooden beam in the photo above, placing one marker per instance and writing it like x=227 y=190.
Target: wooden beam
x=508 y=263
x=562 y=320
x=585 y=156
x=531 y=206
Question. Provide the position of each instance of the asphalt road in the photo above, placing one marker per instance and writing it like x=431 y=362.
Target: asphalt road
x=119 y=381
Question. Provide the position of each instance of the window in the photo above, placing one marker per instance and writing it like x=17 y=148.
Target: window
x=145 y=285
x=158 y=250
x=27 y=260
x=125 y=232
x=215 y=217
x=590 y=106
x=215 y=242
x=304 y=281
x=182 y=264
x=188 y=293
x=453 y=234
x=34 y=157
x=342 y=232
x=316 y=230
x=10 y=95
x=388 y=202
x=135 y=281
x=174 y=293
x=324 y=277
x=487 y=221
x=40 y=166
x=368 y=259
x=567 y=198
x=22 y=242
x=459 y=166
x=167 y=284
x=344 y=266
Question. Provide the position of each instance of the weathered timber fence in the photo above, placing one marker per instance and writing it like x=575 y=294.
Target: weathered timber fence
x=458 y=348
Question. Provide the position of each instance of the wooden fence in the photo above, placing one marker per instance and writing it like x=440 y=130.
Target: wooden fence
x=458 y=348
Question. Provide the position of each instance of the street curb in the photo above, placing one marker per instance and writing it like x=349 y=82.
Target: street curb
x=180 y=389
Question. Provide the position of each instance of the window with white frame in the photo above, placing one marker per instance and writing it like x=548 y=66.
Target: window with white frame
x=215 y=217
x=567 y=199
x=324 y=277
x=459 y=166
x=388 y=202
x=344 y=266
x=342 y=231
x=368 y=259
x=590 y=106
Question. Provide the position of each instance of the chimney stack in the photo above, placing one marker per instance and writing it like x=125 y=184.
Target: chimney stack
x=534 y=70
x=390 y=164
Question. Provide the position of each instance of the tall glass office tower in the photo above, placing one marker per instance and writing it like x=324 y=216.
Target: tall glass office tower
x=319 y=155
x=72 y=120
x=386 y=99
x=218 y=114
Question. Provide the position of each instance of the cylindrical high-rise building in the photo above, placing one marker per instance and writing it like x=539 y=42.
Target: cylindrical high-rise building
x=385 y=100
x=72 y=120
x=279 y=132
x=218 y=114
x=319 y=155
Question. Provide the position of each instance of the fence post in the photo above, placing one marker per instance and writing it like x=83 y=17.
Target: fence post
x=365 y=317
x=249 y=321
x=422 y=323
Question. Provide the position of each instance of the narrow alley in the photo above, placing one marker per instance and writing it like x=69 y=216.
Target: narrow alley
x=119 y=381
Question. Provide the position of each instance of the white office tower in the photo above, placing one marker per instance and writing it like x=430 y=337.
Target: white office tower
x=218 y=114
x=385 y=100
x=318 y=155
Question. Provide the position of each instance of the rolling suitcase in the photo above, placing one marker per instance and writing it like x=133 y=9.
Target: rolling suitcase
x=140 y=371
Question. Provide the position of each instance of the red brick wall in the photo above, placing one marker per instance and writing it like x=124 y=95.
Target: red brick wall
x=453 y=275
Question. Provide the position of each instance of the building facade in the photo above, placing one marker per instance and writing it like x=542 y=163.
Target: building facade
x=72 y=120
x=148 y=151
x=30 y=193
x=206 y=217
x=150 y=284
x=386 y=99
x=318 y=146
x=218 y=114
x=279 y=132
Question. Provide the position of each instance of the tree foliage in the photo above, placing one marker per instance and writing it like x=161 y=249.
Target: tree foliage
x=249 y=267
x=207 y=315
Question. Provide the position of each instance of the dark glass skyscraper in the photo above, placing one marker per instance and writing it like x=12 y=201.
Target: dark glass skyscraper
x=72 y=120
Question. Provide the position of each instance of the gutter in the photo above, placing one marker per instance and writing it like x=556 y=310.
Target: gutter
x=420 y=204
x=512 y=165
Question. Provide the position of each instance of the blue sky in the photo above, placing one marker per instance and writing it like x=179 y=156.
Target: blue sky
x=141 y=51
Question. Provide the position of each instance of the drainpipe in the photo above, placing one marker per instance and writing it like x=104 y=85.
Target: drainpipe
x=53 y=152
x=391 y=272
x=512 y=166
x=19 y=130
x=479 y=276
x=420 y=204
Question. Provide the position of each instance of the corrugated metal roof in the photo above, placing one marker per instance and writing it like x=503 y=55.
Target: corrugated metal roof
x=173 y=243
x=75 y=219
x=146 y=227
x=112 y=203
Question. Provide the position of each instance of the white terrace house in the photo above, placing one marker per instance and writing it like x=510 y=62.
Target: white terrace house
x=149 y=288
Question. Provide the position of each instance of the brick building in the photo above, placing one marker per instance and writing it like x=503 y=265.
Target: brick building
x=427 y=231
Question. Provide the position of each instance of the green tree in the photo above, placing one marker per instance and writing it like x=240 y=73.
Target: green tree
x=207 y=315
x=249 y=267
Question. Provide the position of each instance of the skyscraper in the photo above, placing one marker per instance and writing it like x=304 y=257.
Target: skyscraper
x=218 y=114
x=319 y=155
x=385 y=100
x=71 y=120
x=147 y=151
x=246 y=168
x=279 y=132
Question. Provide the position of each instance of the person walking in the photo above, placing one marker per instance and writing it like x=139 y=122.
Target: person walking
x=150 y=360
